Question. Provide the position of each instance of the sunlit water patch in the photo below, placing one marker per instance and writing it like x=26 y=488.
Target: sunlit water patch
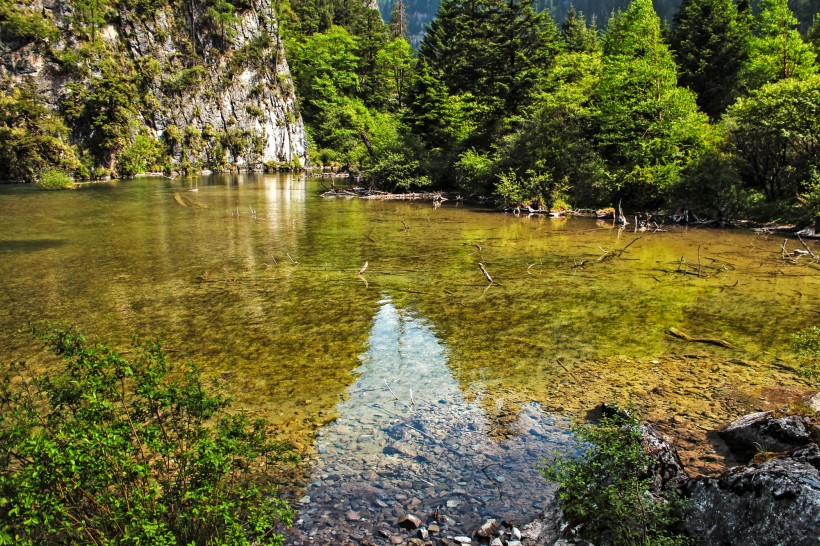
x=406 y=441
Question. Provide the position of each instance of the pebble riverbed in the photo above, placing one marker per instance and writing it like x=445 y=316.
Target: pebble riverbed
x=407 y=441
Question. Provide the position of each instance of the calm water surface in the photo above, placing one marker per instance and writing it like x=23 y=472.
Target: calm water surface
x=255 y=278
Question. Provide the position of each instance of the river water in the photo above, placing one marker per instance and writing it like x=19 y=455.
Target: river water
x=414 y=386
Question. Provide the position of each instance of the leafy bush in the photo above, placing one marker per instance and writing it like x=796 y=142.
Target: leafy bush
x=807 y=344
x=55 y=180
x=605 y=492
x=109 y=450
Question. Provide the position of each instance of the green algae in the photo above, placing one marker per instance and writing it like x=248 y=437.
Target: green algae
x=259 y=285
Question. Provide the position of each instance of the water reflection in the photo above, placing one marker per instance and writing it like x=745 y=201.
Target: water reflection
x=407 y=441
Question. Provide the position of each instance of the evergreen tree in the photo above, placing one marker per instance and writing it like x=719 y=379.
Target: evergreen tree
x=575 y=33
x=491 y=52
x=777 y=51
x=813 y=36
x=398 y=20
x=710 y=44
x=649 y=127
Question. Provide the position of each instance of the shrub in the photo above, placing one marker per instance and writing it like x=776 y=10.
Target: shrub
x=55 y=180
x=605 y=492
x=109 y=450
x=807 y=345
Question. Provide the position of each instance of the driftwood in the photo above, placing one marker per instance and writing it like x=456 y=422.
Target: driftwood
x=486 y=275
x=180 y=201
x=712 y=341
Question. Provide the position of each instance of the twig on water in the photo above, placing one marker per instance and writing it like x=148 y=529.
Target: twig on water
x=567 y=370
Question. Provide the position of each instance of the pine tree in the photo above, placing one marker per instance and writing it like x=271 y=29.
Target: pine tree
x=777 y=51
x=710 y=45
x=493 y=50
x=398 y=20
x=649 y=127
x=577 y=36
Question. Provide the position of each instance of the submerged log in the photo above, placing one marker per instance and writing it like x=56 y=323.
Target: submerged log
x=712 y=341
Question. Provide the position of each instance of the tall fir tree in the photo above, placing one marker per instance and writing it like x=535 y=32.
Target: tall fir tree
x=492 y=50
x=649 y=127
x=577 y=36
x=398 y=20
x=777 y=50
x=710 y=44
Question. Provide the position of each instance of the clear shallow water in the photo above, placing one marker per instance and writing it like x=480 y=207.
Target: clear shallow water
x=218 y=280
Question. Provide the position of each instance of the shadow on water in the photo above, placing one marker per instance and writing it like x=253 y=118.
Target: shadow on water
x=29 y=245
x=406 y=440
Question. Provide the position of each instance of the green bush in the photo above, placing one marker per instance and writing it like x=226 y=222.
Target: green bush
x=605 y=492
x=55 y=180
x=109 y=450
x=807 y=344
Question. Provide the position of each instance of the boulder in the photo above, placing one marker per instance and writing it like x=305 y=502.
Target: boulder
x=775 y=502
x=760 y=431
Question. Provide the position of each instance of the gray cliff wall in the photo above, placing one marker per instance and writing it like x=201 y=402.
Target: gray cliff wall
x=216 y=99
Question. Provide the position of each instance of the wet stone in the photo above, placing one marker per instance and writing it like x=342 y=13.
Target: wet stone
x=409 y=521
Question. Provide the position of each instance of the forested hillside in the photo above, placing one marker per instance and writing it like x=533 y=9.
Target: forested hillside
x=717 y=112
x=420 y=13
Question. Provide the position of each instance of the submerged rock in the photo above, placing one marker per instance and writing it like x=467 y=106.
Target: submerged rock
x=776 y=502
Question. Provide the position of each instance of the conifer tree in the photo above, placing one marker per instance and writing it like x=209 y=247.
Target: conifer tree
x=777 y=51
x=577 y=36
x=398 y=20
x=649 y=127
x=710 y=45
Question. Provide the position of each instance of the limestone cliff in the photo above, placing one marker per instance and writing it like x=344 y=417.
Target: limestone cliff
x=211 y=88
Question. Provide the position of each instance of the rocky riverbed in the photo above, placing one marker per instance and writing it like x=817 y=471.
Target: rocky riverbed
x=408 y=446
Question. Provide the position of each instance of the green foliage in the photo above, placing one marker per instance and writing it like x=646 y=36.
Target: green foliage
x=711 y=45
x=606 y=489
x=394 y=170
x=55 y=180
x=531 y=189
x=558 y=137
x=109 y=450
x=649 y=127
x=777 y=51
x=20 y=25
x=145 y=154
x=807 y=345
x=490 y=51
x=773 y=134
x=32 y=139
x=577 y=36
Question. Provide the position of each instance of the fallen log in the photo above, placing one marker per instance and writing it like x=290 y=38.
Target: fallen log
x=712 y=341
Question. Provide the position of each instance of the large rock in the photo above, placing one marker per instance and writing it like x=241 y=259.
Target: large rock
x=757 y=432
x=776 y=502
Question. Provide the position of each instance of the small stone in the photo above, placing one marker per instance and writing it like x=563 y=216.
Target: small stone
x=452 y=503
x=423 y=533
x=489 y=528
x=463 y=540
x=352 y=515
x=304 y=500
x=396 y=539
x=516 y=533
x=409 y=521
x=496 y=542
x=433 y=528
x=513 y=543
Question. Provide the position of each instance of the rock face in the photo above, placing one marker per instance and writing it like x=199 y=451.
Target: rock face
x=221 y=98
x=762 y=432
x=776 y=502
